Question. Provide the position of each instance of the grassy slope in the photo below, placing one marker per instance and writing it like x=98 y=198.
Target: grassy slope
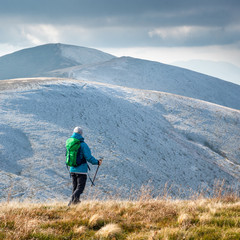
x=143 y=219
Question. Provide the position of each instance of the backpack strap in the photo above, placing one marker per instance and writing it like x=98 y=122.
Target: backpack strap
x=74 y=145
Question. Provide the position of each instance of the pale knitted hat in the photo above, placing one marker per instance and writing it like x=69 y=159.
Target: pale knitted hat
x=78 y=130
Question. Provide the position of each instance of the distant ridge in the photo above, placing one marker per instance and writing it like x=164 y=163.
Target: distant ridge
x=61 y=60
x=144 y=74
x=223 y=70
x=37 y=61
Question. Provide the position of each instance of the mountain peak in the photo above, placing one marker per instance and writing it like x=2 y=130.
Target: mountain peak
x=39 y=60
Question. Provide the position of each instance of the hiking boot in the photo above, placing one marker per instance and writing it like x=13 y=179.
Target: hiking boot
x=73 y=202
x=76 y=202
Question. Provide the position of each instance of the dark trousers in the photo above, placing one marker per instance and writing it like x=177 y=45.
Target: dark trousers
x=79 y=182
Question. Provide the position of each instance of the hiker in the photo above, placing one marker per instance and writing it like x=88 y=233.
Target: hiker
x=79 y=171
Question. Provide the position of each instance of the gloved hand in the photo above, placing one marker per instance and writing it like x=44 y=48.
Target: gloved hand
x=100 y=161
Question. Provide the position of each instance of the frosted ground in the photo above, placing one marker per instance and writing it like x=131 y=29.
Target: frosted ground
x=145 y=137
x=143 y=74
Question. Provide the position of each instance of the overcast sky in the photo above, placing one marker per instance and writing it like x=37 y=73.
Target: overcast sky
x=162 y=30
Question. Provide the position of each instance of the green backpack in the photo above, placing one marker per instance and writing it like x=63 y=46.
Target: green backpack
x=72 y=146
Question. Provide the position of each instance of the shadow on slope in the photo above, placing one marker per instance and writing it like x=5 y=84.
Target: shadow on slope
x=15 y=146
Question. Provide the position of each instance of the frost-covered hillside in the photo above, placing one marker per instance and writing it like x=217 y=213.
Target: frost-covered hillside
x=143 y=74
x=37 y=61
x=145 y=137
x=60 y=60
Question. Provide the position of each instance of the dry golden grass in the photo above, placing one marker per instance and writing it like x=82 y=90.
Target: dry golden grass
x=95 y=220
x=184 y=219
x=144 y=219
x=80 y=230
x=109 y=230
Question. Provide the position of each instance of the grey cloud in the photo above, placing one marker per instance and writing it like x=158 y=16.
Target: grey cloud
x=141 y=37
x=10 y=34
x=114 y=23
x=134 y=12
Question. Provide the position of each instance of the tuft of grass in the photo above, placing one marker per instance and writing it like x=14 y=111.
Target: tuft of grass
x=80 y=230
x=184 y=219
x=96 y=221
x=109 y=230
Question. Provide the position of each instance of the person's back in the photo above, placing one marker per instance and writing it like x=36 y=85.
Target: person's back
x=79 y=172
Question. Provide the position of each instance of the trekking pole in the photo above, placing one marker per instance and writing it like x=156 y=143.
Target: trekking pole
x=91 y=180
x=96 y=172
x=95 y=176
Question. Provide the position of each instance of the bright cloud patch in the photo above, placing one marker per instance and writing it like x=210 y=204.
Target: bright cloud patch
x=39 y=34
x=171 y=32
